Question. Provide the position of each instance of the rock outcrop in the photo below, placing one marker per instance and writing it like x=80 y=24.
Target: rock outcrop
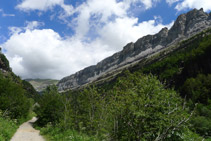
x=186 y=26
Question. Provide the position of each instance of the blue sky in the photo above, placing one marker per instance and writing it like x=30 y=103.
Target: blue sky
x=55 y=38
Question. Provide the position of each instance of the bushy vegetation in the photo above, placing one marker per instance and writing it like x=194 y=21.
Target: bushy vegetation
x=14 y=107
x=50 y=107
x=13 y=101
x=137 y=107
x=198 y=90
x=193 y=58
x=7 y=127
x=58 y=134
x=188 y=71
x=4 y=63
x=16 y=100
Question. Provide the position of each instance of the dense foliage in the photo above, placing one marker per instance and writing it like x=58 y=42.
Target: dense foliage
x=188 y=70
x=4 y=63
x=16 y=99
x=134 y=106
x=198 y=90
x=193 y=58
x=137 y=107
x=58 y=134
x=13 y=101
x=7 y=127
x=50 y=107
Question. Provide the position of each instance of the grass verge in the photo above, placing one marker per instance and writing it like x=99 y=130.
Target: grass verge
x=7 y=128
x=52 y=133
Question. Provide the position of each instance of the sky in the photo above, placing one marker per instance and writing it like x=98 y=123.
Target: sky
x=56 y=38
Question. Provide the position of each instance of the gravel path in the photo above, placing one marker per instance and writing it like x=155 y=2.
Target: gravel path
x=27 y=133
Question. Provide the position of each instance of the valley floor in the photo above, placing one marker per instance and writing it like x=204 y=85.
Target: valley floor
x=27 y=133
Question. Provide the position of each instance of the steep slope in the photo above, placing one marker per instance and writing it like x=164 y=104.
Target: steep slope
x=186 y=26
x=7 y=73
x=4 y=63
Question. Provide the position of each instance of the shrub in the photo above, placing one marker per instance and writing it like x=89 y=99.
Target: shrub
x=51 y=107
x=13 y=101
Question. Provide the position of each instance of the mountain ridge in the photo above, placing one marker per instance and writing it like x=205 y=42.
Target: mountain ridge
x=186 y=26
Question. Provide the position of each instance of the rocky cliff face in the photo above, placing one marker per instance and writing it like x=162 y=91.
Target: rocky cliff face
x=186 y=26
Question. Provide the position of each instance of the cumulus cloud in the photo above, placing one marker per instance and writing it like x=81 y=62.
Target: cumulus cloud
x=101 y=29
x=36 y=53
x=44 y=5
x=38 y=4
x=124 y=30
x=189 y=4
x=44 y=54
x=206 y=4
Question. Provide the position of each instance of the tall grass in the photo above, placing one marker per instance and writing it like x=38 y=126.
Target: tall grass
x=7 y=128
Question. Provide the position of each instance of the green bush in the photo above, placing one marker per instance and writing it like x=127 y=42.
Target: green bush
x=50 y=107
x=7 y=128
x=143 y=110
x=198 y=89
x=136 y=107
x=56 y=134
x=13 y=101
x=4 y=63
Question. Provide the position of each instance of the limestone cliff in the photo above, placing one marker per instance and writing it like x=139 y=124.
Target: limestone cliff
x=186 y=26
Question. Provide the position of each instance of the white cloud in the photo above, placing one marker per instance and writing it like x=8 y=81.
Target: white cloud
x=29 y=26
x=97 y=12
x=190 y=4
x=44 y=54
x=6 y=15
x=35 y=53
x=38 y=4
x=101 y=29
x=124 y=30
x=146 y=3
x=33 y=24
x=170 y=2
x=44 y=5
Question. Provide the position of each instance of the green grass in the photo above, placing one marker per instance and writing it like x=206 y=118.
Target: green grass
x=51 y=133
x=7 y=128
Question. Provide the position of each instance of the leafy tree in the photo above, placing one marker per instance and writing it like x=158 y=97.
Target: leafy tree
x=198 y=89
x=50 y=107
x=143 y=110
x=136 y=107
x=13 y=101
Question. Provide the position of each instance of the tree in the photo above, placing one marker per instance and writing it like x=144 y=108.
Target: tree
x=13 y=101
x=51 y=107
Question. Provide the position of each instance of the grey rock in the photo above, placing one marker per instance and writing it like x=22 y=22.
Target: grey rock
x=185 y=26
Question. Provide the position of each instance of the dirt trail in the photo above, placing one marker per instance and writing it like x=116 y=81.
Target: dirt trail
x=27 y=133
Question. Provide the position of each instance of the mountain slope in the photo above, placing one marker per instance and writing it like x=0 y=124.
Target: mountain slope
x=16 y=99
x=41 y=84
x=186 y=26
